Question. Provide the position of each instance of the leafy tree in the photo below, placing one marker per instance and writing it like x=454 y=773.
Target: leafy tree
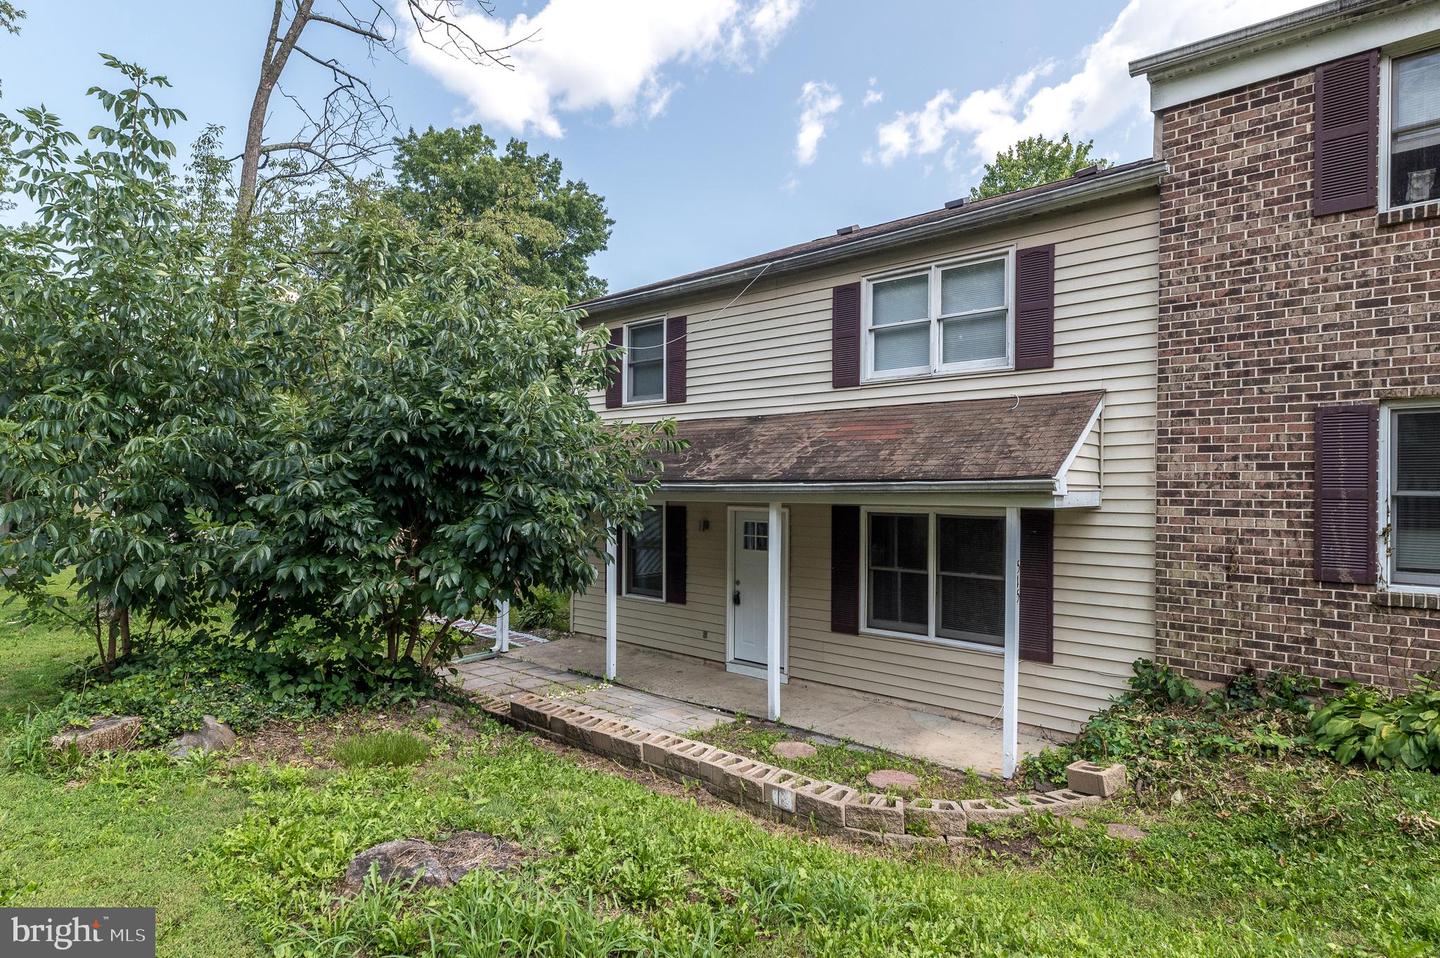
x=10 y=17
x=434 y=451
x=540 y=227
x=1035 y=161
x=121 y=389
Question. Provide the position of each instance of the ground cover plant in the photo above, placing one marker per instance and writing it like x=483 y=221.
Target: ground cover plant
x=1263 y=852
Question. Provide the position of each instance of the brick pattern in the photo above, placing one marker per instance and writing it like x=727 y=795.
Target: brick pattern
x=1267 y=312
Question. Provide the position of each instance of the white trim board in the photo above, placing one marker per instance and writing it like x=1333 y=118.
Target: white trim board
x=1266 y=56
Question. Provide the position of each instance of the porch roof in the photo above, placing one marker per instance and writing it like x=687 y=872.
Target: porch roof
x=1015 y=443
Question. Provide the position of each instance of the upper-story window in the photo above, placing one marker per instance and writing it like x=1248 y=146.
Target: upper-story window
x=1415 y=496
x=1414 y=171
x=645 y=362
x=946 y=318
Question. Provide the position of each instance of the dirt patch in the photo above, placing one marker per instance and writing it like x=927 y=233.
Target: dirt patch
x=311 y=743
x=436 y=864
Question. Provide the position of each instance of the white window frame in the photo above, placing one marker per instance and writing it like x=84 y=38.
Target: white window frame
x=1387 y=94
x=1389 y=450
x=629 y=564
x=664 y=362
x=932 y=573
x=936 y=320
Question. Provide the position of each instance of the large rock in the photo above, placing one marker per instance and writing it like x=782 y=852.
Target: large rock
x=213 y=735
x=101 y=735
x=432 y=864
x=793 y=749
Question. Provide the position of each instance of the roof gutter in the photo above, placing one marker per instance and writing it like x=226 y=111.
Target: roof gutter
x=1044 y=485
x=1081 y=191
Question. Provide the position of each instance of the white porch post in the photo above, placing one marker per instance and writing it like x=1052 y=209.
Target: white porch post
x=776 y=625
x=1010 y=717
x=612 y=589
x=502 y=627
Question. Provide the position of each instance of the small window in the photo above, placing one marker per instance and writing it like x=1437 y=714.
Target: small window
x=645 y=556
x=645 y=361
x=970 y=579
x=900 y=573
x=963 y=572
x=1415 y=497
x=1415 y=128
x=946 y=319
x=755 y=536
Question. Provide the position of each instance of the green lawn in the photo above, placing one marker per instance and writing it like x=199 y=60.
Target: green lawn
x=1258 y=859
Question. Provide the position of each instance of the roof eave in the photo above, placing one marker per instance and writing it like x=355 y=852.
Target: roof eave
x=1259 y=36
x=1081 y=191
x=1043 y=484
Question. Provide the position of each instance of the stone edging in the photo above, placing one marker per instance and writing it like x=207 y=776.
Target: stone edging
x=780 y=794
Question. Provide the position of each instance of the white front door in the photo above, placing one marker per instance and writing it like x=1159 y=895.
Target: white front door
x=750 y=586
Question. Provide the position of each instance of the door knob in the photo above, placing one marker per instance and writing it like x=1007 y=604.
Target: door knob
x=736 y=598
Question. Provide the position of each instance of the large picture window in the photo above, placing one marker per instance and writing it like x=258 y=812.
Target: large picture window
x=645 y=556
x=645 y=362
x=1415 y=497
x=936 y=576
x=1414 y=172
x=947 y=318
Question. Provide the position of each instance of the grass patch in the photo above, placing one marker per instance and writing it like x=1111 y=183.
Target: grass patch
x=383 y=748
x=845 y=762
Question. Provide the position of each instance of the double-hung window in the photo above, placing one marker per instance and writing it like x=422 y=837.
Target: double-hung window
x=935 y=576
x=645 y=556
x=645 y=362
x=1414 y=134
x=1414 y=492
x=947 y=318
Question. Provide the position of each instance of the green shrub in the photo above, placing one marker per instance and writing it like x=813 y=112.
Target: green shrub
x=1368 y=724
x=1158 y=685
x=542 y=609
x=384 y=748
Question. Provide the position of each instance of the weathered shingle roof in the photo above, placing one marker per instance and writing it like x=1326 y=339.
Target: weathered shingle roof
x=1080 y=188
x=971 y=440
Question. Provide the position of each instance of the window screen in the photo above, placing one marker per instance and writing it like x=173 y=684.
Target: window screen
x=1415 y=128
x=970 y=578
x=644 y=556
x=899 y=573
x=1415 y=498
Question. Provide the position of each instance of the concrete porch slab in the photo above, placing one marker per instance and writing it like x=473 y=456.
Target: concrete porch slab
x=669 y=691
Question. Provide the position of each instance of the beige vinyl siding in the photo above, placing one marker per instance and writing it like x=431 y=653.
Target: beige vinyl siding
x=695 y=628
x=769 y=352
x=1084 y=472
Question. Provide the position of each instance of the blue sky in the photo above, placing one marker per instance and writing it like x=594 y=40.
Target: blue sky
x=714 y=128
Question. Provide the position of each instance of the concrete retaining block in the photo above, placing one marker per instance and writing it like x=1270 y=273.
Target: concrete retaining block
x=626 y=745
x=1075 y=799
x=686 y=757
x=992 y=809
x=824 y=802
x=562 y=717
x=1087 y=778
x=935 y=816
x=874 y=812
x=600 y=737
x=529 y=708
x=654 y=748
x=780 y=788
x=578 y=730
x=745 y=778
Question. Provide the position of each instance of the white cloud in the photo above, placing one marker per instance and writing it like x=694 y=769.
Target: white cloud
x=578 y=55
x=1099 y=93
x=873 y=94
x=818 y=102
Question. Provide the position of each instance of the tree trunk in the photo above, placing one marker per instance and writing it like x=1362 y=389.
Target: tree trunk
x=277 y=51
x=124 y=619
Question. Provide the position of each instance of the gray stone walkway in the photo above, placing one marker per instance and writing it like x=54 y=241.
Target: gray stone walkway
x=508 y=675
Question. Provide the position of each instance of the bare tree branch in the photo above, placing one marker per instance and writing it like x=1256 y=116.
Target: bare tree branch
x=348 y=126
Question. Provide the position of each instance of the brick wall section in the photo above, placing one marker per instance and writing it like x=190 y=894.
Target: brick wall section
x=1265 y=313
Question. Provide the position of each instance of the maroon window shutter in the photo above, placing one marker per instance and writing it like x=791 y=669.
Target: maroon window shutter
x=1347 y=138
x=1037 y=585
x=1035 y=308
x=845 y=569
x=1346 y=462
x=845 y=336
x=615 y=390
x=675 y=554
x=675 y=359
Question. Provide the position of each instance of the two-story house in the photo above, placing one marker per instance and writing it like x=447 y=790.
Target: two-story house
x=920 y=462
x=1299 y=372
